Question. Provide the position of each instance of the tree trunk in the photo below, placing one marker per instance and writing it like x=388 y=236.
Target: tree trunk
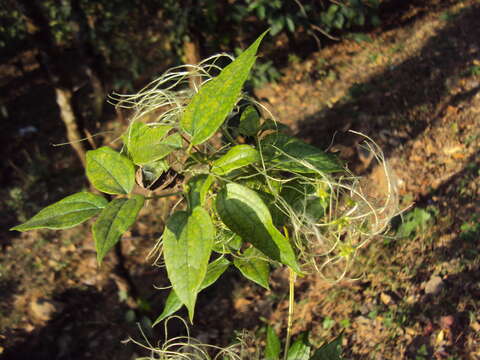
x=60 y=78
x=191 y=49
x=90 y=59
x=64 y=102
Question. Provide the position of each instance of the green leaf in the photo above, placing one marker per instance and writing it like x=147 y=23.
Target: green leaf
x=292 y=154
x=290 y=24
x=360 y=37
x=277 y=26
x=330 y=351
x=249 y=121
x=300 y=349
x=151 y=172
x=253 y=267
x=187 y=243
x=272 y=348
x=113 y=221
x=66 y=213
x=304 y=200
x=235 y=158
x=109 y=171
x=214 y=270
x=172 y=305
x=245 y=213
x=270 y=124
x=339 y=21
x=227 y=242
x=197 y=189
x=215 y=100
x=146 y=143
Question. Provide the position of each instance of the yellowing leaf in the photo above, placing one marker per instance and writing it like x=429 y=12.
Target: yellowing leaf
x=113 y=221
x=66 y=213
x=109 y=171
x=253 y=267
x=214 y=270
x=237 y=157
x=187 y=243
x=245 y=213
x=215 y=100
x=146 y=143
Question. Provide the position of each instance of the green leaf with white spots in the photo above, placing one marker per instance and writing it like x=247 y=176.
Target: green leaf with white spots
x=147 y=143
x=66 y=213
x=113 y=221
x=187 y=243
x=245 y=213
x=209 y=108
x=235 y=158
x=109 y=171
x=254 y=267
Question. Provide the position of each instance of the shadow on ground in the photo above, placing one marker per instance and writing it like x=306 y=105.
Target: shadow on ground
x=89 y=325
x=408 y=97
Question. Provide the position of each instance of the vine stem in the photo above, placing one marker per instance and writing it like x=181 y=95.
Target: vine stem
x=164 y=195
x=291 y=302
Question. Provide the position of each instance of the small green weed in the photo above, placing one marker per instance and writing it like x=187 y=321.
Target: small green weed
x=328 y=323
x=293 y=59
x=422 y=353
x=264 y=73
x=470 y=230
x=472 y=71
x=414 y=222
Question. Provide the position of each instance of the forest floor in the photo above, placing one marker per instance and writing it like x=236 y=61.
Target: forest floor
x=413 y=87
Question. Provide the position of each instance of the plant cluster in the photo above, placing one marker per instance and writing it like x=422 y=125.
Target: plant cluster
x=249 y=194
x=325 y=17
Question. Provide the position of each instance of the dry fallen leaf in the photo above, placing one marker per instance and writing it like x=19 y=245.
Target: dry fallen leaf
x=434 y=285
x=475 y=326
x=386 y=299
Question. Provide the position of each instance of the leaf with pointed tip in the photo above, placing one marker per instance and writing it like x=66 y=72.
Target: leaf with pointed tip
x=172 y=305
x=235 y=158
x=245 y=213
x=209 y=108
x=227 y=242
x=272 y=348
x=109 y=171
x=292 y=154
x=330 y=351
x=146 y=143
x=187 y=244
x=66 y=213
x=300 y=349
x=113 y=221
x=198 y=187
x=214 y=270
x=254 y=267
x=249 y=121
